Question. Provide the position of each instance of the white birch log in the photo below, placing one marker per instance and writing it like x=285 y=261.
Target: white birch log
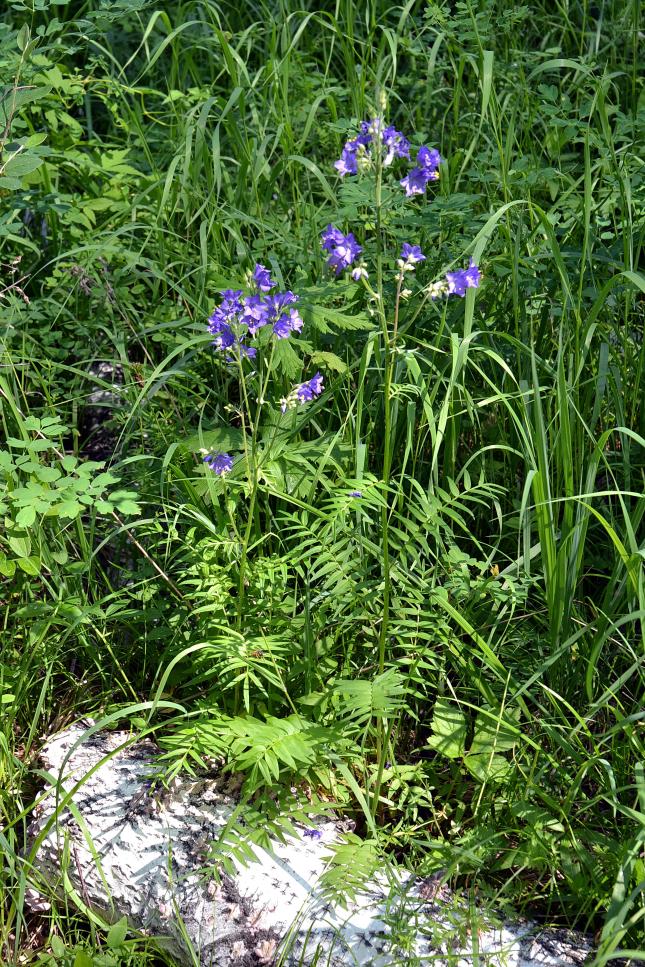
x=125 y=853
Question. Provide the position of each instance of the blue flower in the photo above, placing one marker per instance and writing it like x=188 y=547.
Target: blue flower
x=412 y=254
x=280 y=301
x=313 y=833
x=331 y=237
x=219 y=463
x=473 y=275
x=356 y=493
x=367 y=128
x=304 y=393
x=429 y=158
x=356 y=156
x=347 y=164
x=354 y=150
x=287 y=323
x=344 y=254
x=309 y=390
x=296 y=321
x=457 y=282
x=219 y=327
x=281 y=327
x=255 y=313
x=237 y=317
x=463 y=279
x=397 y=145
x=219 y=323
x=343 y=248
x=231 y=301
x=227 y=310
x=416 y=181
x=428 y=161
x=263 y=279
x=283 y=319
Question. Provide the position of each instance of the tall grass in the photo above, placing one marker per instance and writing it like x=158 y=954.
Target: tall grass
x=468 y=635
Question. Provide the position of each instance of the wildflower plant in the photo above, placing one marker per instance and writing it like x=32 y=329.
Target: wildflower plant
x=250 y=323
x=377 y=148
x=246 y=327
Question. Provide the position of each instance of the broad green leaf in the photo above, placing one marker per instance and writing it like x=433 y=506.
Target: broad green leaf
x=19 y=165
x=117 y=933
x=329 y=361
x=449 y=729
x=22 y=37
x=494 y=734
x=128 y=507
x=30 y=565
x=488 y=768
x=104 y=506
x=26 y=516
x=68 y=508
x=21 y=546
x=57 y=945
x=7 y=566
x=12 y=98
x=48 y=474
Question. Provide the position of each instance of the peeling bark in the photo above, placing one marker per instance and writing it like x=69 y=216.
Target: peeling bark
x=125 y=852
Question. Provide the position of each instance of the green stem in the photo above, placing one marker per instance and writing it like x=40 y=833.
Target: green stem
x=252 y=476
x=252 y=472
x=388 y=360
x=385 y=544
x=245 y=550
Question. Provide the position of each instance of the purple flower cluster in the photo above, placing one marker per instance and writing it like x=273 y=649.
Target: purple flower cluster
x=416 y=180
x=463 y=279
x=304 y=393
x=412 y=254
x=343 y=249
x=395 y=143
x=356 y=152
x=456 y=283
x=313 y=833
x=356 y=155
x=239 y=316
x=219 y=463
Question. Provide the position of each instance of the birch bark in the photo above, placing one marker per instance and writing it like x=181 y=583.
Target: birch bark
x=125 y=852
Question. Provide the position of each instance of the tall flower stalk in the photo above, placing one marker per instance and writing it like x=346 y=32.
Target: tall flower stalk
x=374 y=149
x=388 y=360
x=237 y=320
x=236 y=326
x=251 y=457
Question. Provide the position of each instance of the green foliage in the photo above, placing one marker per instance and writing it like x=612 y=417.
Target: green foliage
x=353 y=863
x=39 y=485
x=475 y=701
x=115 y=951
x=493 y=733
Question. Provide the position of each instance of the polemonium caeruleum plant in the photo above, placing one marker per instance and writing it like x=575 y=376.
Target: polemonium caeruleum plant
x=376 y=148
x=246 y=328
x=248 y=324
